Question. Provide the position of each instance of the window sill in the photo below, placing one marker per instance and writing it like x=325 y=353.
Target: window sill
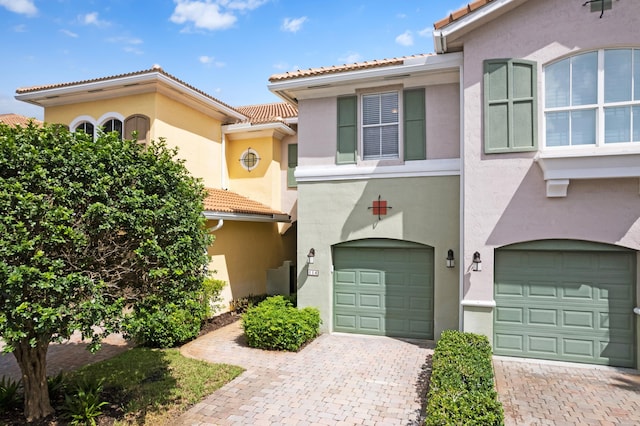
x=560 y=166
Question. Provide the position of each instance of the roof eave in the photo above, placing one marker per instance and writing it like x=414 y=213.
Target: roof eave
x=278 y=128
x=245 y=217
x=283 y=89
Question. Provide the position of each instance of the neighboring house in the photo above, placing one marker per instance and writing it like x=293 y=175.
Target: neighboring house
x=244 y=157
x=18 y=120
x=516 y=145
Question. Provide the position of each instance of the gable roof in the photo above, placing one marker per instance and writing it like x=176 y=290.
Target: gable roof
x=222 y=204
x=154 y=78
x=460 y=13
x=268 y=113
x=336 y=69
x=18 y=120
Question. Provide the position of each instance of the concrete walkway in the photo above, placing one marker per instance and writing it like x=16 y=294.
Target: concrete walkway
x=338 y=379
x=552 y=393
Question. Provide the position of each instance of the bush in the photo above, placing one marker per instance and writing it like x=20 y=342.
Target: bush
x=84 y=406
x=461 y=389
x=275 y=324
x=211 y=289
x=241 y=304
x=158 y=323
x=10 y=395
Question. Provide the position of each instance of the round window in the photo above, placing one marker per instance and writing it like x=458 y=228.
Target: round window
x=249 y=159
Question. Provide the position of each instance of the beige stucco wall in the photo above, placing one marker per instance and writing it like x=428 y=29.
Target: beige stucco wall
x=425 y=210
x=504 y=194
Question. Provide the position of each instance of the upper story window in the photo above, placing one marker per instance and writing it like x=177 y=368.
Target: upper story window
x=380 y=126
x=392 y=126
x=593 y=99
x=113 y=125
x=85 y=127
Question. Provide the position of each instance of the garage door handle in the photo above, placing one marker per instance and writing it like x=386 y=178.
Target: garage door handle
x=636 y=311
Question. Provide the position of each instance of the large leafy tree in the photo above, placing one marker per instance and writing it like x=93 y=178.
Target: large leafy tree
x=87 y=229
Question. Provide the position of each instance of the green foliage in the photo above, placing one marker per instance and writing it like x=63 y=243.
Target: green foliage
x=276 y=324
x=84 y=406
x=461 y=388
x=160 y=324
x=241 y=304
x=211 y=290
x=10 y=396
x=89 y=228
x=57 y=385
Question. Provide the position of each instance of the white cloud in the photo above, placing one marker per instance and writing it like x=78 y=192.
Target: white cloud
x=210 y=60
x=350 y=58
x=405 y=39
x=426 y=32
x=69 y=33
x=125 y=40
x=23 y=7
x=293 y=25
x=92 y=19
x=134 y=50
x=242 y=5
x=203 y=14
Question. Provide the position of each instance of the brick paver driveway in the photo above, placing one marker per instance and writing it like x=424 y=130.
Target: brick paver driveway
x=544 y=393
x=338 y=379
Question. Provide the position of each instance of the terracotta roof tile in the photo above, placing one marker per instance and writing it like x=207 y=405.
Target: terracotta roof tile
x=464 y=11
x=18 y=120
x=268 y=113
x=221 y=201
x=154 y=69
x=335 y=69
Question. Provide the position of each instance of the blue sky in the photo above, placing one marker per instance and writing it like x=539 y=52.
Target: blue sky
x=227 y=48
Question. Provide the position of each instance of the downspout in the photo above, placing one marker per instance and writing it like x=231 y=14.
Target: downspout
x=462 y=208
x=223 y=163
x=218 y=226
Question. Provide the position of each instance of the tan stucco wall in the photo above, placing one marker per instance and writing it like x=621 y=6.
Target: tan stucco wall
x=425 y=210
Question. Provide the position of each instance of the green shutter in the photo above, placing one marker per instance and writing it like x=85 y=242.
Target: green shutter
x=415 y=147
x=510 y=106
x=347 y=130
x=292 y=156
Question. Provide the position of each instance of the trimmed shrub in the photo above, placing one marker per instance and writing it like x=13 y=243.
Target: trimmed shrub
x=211 y=289
x=461 y=388
x=241 y=304
x=276 y=325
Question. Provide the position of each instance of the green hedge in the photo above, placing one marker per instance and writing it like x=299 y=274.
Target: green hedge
x=461 y=389
x=276 y=324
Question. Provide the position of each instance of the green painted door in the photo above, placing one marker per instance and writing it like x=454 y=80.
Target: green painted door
x=384 y=291
x=565 y=305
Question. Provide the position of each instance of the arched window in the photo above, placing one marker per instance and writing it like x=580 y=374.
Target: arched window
x=138 y=124
x=85 y=127
x=113 y=125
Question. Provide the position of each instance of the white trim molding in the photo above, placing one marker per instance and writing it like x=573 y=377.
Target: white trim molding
x=478 y=303
x=444 y=167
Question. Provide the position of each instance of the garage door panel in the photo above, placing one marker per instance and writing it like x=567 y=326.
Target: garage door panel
x=576 y=308
x=393 y=290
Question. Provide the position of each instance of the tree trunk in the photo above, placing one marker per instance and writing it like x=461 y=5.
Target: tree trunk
x=33 y=365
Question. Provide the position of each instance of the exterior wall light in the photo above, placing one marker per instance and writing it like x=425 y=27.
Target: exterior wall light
x=477 y=263
x=451 y=261
x=311 y=256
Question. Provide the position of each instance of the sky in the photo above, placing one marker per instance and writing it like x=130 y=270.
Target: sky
x=226 y=48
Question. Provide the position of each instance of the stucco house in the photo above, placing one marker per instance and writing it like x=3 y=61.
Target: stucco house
x=490 y=187
x=245 y=157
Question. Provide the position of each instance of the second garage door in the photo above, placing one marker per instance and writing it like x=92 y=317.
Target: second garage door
x=572 y=304
x=384 y=290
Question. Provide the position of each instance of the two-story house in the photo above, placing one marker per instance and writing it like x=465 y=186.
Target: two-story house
x=511 y=154
x=244 y=157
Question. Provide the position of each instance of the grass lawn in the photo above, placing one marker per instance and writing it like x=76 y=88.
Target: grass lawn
x=151 y=386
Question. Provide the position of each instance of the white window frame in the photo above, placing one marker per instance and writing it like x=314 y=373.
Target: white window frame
x=600 y=106
x=361 y=126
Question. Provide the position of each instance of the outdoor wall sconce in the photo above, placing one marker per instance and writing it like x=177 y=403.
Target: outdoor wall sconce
x=477 y=263
x=451 y=261
x=311 y=256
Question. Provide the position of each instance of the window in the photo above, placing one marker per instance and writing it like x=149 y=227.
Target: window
x=85 y=127
x=113 y=125
x=593 y=99
x=138 y=125
x=510 y=106
x=380 y=127
x=292 y=160
x=379 y=131
x=249 y=159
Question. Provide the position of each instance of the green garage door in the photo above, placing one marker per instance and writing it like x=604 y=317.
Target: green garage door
x=572 y=304
x=384 y=291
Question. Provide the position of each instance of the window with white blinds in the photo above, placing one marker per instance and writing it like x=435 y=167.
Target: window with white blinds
x=380 y=126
